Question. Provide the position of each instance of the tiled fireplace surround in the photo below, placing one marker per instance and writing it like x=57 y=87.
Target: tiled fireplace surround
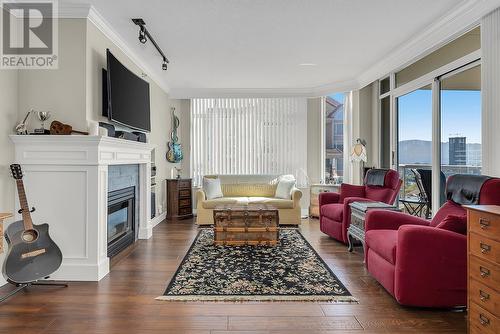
x=68 y=178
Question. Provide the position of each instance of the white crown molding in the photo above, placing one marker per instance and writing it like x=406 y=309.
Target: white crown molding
x=100 y=22
x=459 y=20
x=187 y=93
x=85 y=11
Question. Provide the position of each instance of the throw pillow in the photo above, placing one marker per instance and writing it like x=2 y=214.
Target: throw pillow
x=212 y=188
x=454 y=223
x=284 y=188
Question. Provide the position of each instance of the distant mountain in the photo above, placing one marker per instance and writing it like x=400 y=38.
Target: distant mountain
x=420 y=151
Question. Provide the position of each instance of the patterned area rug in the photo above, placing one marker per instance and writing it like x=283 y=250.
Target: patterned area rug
x=291 y=271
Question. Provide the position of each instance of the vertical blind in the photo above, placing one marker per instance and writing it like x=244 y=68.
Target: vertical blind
x=249 y=136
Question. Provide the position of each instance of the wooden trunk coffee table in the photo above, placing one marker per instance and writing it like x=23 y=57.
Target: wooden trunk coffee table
x=253 y=224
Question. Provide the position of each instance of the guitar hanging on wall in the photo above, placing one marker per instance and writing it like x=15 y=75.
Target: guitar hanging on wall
x=174 y=153
x=32 y=255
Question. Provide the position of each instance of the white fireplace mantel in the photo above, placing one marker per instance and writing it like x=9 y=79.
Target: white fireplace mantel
x=66 y=180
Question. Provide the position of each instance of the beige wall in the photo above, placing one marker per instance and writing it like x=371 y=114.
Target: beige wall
x=8 y=119
x=61 y=91
x=362 y=119
x=9 y=99
x=457 y=48
x=314 y=139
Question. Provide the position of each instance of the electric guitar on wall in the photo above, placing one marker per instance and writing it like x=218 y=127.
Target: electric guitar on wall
x=32 y=255
x=174 y=153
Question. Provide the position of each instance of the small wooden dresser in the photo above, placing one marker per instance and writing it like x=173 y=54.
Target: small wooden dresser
x=179 y=199
x=483 y=246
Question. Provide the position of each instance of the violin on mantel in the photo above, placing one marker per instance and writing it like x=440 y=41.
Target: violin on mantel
x=32 y=255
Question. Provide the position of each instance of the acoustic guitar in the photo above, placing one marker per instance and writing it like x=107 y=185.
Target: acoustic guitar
x=32 y=255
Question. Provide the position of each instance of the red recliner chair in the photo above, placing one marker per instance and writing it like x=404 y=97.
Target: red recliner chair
x=424 y=263
x=381 y=185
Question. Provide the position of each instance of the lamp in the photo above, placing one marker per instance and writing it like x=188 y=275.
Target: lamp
x=358 y=153
x=144 y=36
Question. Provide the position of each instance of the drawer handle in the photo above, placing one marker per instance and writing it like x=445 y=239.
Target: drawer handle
x=484 y=272
x=484 y=223
x=483 y=295
x=485 y=248
x=484 y=320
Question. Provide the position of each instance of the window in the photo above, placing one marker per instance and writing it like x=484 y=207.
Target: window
x=249 y=136
x=461 y=122
x=334 y=138
x=414 y=137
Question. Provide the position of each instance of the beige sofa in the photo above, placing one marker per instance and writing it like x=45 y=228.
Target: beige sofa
x=249 y=189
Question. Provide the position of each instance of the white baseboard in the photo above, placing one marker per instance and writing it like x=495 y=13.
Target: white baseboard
x=158 y=219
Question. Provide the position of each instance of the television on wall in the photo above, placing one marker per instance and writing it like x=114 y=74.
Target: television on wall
x=125 y=96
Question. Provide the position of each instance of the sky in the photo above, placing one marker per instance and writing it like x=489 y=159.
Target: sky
x=460 y=114
x=338 y=96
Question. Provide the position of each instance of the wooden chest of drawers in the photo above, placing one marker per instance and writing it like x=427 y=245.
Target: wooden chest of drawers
x=483 y=246
x=179 y=199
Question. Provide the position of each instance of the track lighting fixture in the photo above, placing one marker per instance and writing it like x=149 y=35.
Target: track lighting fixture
x=144 y=36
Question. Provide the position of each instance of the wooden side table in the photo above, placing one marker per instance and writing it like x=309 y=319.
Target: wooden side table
x=179 y=199
x=356 y=229
x=2 y=217
x=315 y=190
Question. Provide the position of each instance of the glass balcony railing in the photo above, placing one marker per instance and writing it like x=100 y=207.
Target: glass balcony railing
x=409 y=187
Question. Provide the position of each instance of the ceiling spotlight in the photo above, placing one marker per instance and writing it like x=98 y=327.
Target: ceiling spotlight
x=145 y=36
x=142 y=35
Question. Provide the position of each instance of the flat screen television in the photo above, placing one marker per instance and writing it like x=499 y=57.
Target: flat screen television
x=125 y=96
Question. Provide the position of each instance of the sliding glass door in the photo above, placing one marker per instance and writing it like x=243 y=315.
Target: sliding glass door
x=460 y=95
x=414 y=150
x=438 y=132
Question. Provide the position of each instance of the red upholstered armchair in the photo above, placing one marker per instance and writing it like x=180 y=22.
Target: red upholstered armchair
x=381 y=185
x=424 y=263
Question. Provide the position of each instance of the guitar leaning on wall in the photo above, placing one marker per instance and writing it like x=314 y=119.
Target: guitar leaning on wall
x=174 y=153
x=32 y=255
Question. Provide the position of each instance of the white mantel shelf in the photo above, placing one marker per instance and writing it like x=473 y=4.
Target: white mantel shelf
x=66 y=179
x=79 y=149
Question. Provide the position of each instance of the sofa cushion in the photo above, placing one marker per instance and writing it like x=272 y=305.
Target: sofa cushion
x=212 y=203
x=333 y=211
x=212 y=188
x=248 y=189
x=279 y=203
x=284 y=188
x=384 y=243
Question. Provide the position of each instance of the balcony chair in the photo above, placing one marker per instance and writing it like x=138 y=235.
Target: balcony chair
x=422 y=203
x=380 y=185
x=422 y=262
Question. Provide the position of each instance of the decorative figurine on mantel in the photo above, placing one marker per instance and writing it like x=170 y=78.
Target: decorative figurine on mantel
x=174 y=153
x=43 y=116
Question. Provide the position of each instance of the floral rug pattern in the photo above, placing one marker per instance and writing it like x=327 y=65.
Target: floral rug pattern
x=289 y=271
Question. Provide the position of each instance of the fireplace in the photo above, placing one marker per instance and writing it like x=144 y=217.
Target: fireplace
x=121 y=220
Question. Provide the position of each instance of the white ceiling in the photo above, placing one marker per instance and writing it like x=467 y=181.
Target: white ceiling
x=259 y=44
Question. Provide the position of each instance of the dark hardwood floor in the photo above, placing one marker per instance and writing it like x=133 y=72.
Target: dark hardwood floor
x=123 y=302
